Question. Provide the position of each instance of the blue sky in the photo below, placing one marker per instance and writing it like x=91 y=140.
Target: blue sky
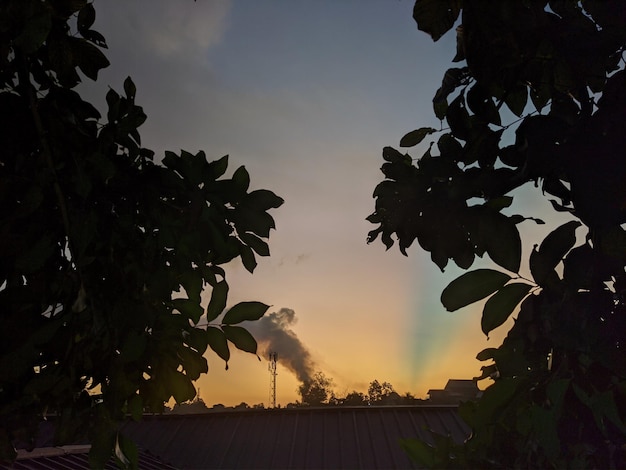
x=305 y=94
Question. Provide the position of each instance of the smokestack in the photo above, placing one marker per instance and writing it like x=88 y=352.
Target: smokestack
x=273 y=333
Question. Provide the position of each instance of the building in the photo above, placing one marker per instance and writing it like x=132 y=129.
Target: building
x=455 y=391
x=328 y=437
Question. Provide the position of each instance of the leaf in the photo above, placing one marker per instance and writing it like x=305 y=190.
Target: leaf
x=90 y=59
x=126 y=451
x=182 y=388
x=196 y=338
x=94 y=37
x=86 y=17
x=247 y=257
x=486 y=354
x=218 y=343
x=481 y=103
x=193 y=363
x=552 y=250
x=498 y=235
x=130 y=89
x=500 y=305
x=189 y=308
x=471 y=287
x=419 y=452
x=192 y=282
x=458 y=118
x=217 y=304
x=241 y=338
x=516 y=99
x=415 y=137
x=134 y=407
x=262 y=200
x=250 y=220
x=436 y=17
x=500 y=203
x=241 y=179
x=255 y=243
x=102 y=445
x=35 y=31
x=245 y=311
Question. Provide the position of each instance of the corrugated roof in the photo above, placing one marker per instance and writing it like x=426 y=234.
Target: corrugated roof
x=318 y=438
x=73 y=458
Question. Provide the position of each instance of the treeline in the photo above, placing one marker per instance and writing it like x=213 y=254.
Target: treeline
x=318 y=391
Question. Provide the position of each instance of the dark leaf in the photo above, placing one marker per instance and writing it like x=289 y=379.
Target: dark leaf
x=217 y=168
x=500 y=305
x=86 y=17
x=471 y=287
x=217 y=342
x=452 y=79
x=415 y=137
x=245 y=311
x=196 y=338
x=89 y=58
x=182 y=388
x=247 y=257
x=552 y=250
x=130 y=89
x=262 y=200
x=126 y=451
x=35 y=31
x=487 y=354
x=419 y=452
x=516 y=99
x=436 y=17
x=481 y=103
x=193 y=363
x=500 y=203
x=102 y=446
x=391 y=155
x=94 y=37
x=241 y=179
x=241 y=338
x=505 y=245
x=217 y=304
x=255 y=243
x=190 y=308
x=458 y=118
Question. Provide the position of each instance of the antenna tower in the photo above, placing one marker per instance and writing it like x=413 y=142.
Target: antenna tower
x=272 y=368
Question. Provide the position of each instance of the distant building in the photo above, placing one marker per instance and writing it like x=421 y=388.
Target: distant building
x=455 y=391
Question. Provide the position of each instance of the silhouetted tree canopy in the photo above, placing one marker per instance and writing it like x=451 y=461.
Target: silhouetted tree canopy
x=104 y=249
x=317 y=390
x=537 y=100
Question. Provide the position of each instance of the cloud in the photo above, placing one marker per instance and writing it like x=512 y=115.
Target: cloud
x=166 y=28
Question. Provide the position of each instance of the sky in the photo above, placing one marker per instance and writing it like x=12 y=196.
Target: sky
x=305 y=94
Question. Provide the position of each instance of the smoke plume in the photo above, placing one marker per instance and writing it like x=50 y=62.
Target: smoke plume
x=274 y=334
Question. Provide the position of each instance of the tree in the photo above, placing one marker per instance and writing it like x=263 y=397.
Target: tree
x=377 y=392
x=559 y=393
x=353 y=398
x=317 y=390
x=105 y=250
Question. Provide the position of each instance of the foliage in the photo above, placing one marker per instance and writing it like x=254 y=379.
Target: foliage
x=555 y=70
x=317 y=390
x=104 y=251
x=378 y=393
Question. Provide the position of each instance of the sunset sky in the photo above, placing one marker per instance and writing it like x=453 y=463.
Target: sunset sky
x=306 y=94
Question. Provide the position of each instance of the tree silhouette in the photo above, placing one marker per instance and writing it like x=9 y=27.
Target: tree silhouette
x=538 y=101
x=104 y=249
x=317 y=390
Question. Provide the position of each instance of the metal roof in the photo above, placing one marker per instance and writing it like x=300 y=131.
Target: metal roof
x=319 y=438
x=73 y=458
